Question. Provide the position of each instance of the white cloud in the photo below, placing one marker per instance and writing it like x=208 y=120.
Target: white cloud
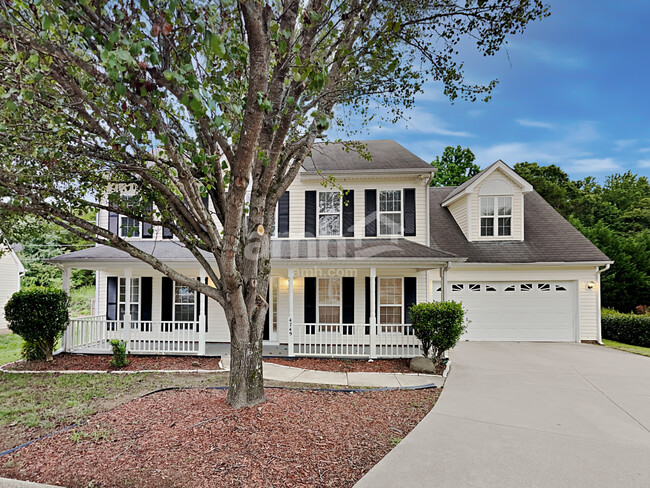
x=621 y=144
x=419 y=121
x=644 y=163
x=536 y=123
x=592 y=165
x=643 y=149
x=549 y=54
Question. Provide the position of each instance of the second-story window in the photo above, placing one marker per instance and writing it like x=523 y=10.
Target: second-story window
x=496 y=216
x=129 y=227
x=390 y=212
x=329 y=213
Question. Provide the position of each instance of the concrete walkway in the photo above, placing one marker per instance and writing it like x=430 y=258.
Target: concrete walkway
x=288 y=374
x=530 y=415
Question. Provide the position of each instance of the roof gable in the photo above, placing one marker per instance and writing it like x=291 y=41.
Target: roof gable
x=496 y=167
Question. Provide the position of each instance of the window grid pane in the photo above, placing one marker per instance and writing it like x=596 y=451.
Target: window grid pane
x=504 y=226
x=505 y=206
x=487 y=226
x=487 y=206
x=329 y=300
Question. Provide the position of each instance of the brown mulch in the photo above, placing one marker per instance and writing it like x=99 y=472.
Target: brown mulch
x=193 y=438
x=96 y=362
x=348 y=365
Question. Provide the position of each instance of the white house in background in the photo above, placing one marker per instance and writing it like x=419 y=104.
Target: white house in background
x=345 y=269
x=11 y=269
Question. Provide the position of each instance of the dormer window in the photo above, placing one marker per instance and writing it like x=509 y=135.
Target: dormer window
x=496 y=216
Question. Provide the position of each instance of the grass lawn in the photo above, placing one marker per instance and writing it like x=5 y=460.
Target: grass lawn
x=10 y=345
x=643 y=351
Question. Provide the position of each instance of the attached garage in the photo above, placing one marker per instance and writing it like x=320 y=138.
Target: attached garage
x=518 y=311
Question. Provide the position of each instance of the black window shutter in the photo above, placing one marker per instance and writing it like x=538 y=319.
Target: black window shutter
x=111 y=298
x=167 y=298
x=283 y=215
x=167 y=233
x=410 y=296
x=310 y=304
x=347 y=294
x=267 y=328
x=348 y=214
x=146 y=283
x=371 y=213
x=207 y=307
x=310 y=213
x=409 y=211
x=199 y=299
x=113 y=222
x=206 y=202
x=147 y=229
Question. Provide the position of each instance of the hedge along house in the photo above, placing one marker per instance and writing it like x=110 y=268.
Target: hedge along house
x=346 y=268
x=11 y=269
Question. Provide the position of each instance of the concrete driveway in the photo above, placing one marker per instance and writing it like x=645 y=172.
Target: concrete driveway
x=530 y=415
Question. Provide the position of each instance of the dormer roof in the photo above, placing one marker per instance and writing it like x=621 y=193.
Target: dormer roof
x=469 y=185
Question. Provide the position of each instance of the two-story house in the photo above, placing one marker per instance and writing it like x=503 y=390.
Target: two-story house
x=347 y=265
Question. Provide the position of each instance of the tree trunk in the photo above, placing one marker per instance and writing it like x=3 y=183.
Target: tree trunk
x=246 y=383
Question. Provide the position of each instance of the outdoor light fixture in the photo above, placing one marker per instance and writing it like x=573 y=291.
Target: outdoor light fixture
x=591 y=285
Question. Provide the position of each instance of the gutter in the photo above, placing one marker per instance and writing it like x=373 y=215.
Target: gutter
x=599 y=333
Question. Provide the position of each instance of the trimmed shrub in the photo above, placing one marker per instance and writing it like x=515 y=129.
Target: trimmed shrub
x=629 y=329
x=31 y=352
x=39 y=316
x=438 y=325
x=119 y=353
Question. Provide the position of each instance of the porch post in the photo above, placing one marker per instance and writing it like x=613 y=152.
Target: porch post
x=127 y=305
x=429 y=290
x=373 y=313
x=65 y=338
x=290 y=324
x=204 y=299
x=443 y=283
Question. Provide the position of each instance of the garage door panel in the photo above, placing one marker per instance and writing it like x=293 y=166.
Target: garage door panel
x=534 y=311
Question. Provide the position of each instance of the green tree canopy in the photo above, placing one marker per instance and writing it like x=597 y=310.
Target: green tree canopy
x=185 y=99
x=455 y=167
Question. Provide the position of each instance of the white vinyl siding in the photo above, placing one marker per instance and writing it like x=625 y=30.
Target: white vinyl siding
x=9 y=283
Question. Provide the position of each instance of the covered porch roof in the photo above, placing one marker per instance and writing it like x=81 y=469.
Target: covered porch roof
x=284 y=253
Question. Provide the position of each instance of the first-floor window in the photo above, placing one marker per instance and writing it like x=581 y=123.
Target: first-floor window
x=184 y=303
x=329 y=300
x=390 y=302
x=134 y=299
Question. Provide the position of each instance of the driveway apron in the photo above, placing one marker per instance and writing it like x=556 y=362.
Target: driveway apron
x=530 y=415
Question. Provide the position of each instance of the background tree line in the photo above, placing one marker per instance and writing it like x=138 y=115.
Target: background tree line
x=614 y=215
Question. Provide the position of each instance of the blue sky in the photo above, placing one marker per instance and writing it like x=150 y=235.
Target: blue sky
x=574 y=90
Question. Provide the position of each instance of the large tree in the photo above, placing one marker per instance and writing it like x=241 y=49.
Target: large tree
x=455 y=166
x=185 y=99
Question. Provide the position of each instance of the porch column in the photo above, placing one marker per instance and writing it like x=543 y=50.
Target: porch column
x=127 y=305
x=290 y=329
x=65 y=338
x=203 y=299
x=429 y=286
x=444 y=293
x=373 y=314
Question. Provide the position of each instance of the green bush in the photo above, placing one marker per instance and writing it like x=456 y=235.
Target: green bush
x=31 y=352
x=438 y=325
x=119 y=353
x=39 y=316
x=626 y=328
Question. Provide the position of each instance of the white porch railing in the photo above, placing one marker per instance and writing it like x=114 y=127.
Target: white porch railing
x=354 y=340
x=94 y=335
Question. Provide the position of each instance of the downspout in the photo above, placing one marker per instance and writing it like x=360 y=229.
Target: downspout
x=599 y=334
x=443 y=281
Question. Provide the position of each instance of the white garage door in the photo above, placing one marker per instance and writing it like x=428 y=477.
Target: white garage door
x=518 y=311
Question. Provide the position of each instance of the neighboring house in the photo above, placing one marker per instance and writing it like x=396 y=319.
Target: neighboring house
x=345 y=270
x=11 y=269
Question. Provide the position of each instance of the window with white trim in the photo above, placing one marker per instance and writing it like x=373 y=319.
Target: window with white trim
x=329 y=213
x=184 y=303
x=496 y=216
x=273 y=333
x=390 y=302
x=134 y=296
x=390 y=212
x=129 y=227
x=329 y=301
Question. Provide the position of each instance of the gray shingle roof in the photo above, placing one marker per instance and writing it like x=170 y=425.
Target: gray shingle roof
x=548 y=237
x=387 y=155
x=281 y=249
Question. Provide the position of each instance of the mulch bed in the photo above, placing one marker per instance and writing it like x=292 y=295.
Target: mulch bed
x=93 y=362
x=193 y=438
x=348 y=365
